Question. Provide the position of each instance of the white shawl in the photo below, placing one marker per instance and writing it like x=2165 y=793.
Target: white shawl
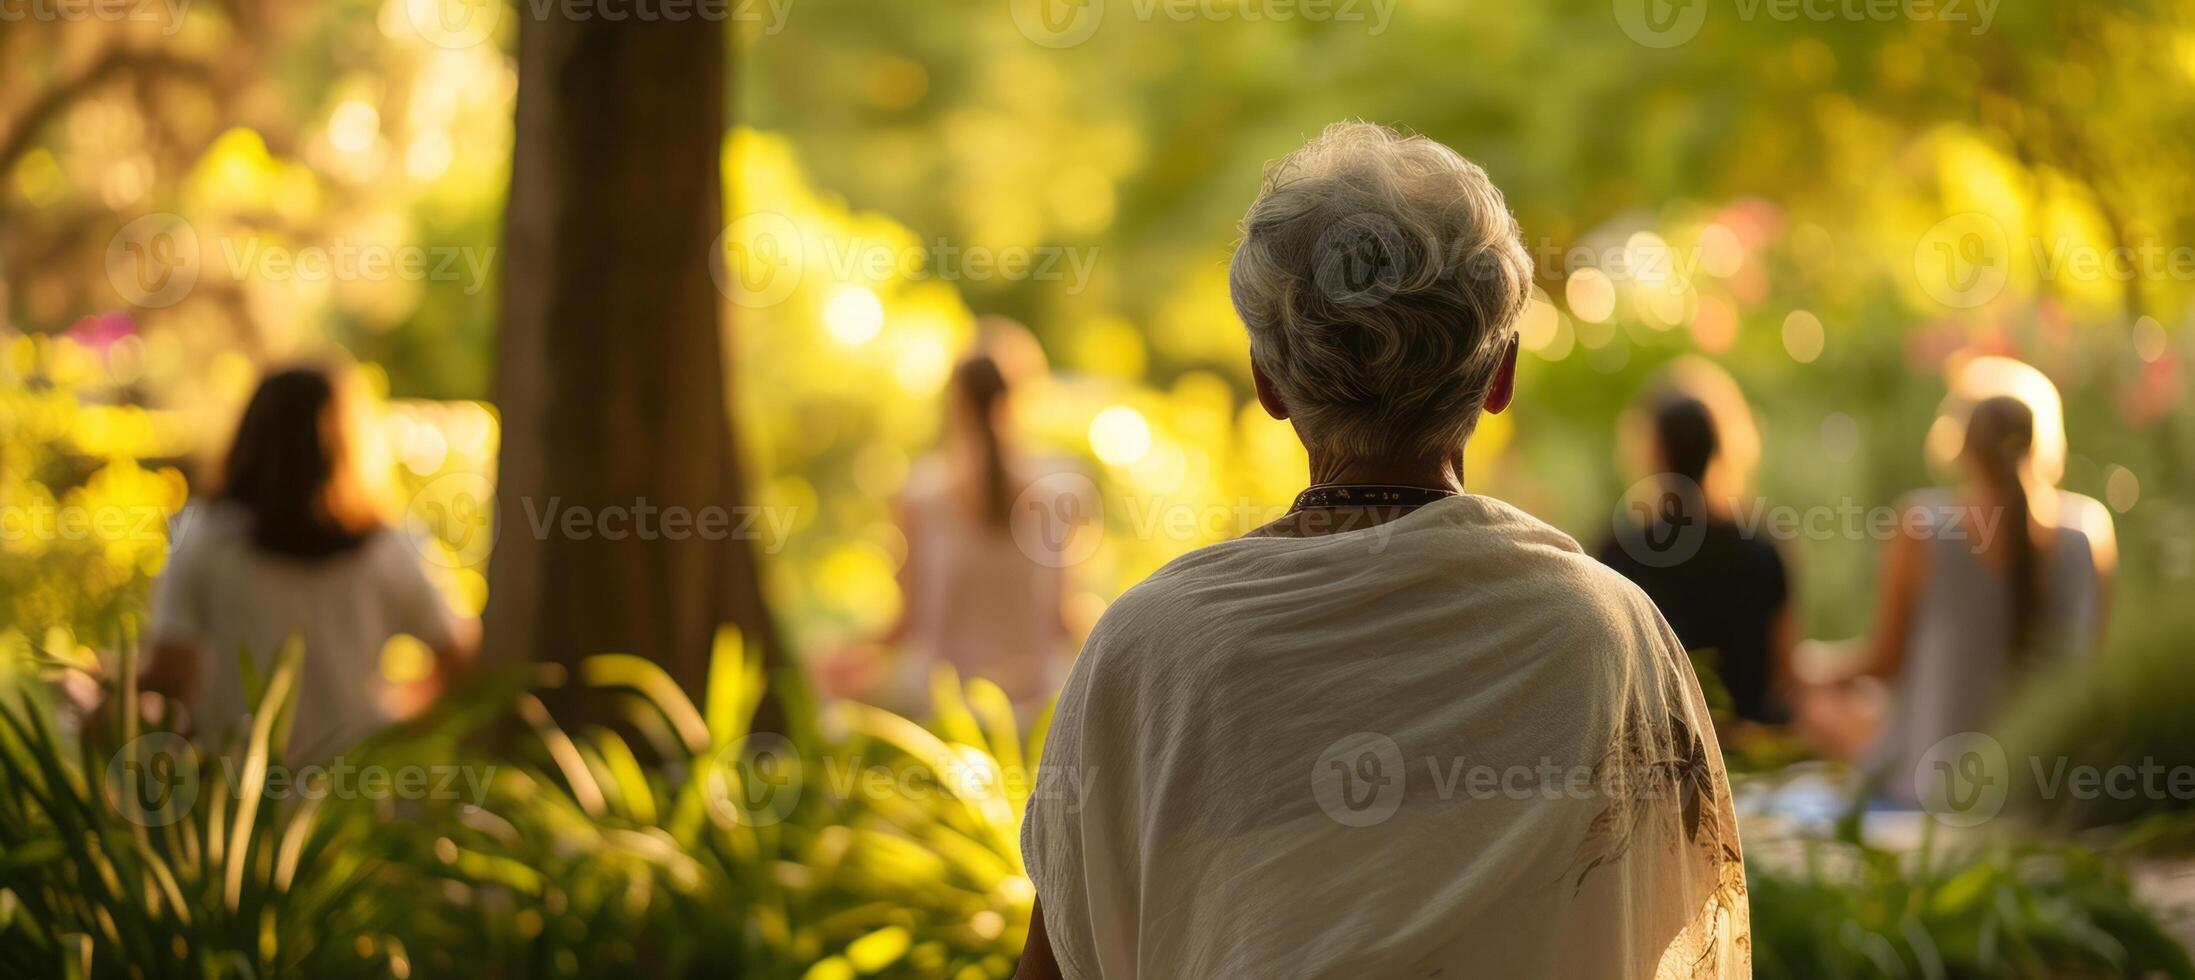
x=1447 y=746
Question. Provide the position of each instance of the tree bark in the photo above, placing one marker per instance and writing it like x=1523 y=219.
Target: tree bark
x=610 y=373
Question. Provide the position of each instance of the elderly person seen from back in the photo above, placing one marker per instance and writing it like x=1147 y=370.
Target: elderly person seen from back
x=1402 y=731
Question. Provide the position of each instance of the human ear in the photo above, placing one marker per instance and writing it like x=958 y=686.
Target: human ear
x=1267 y=397
x=1504 y=387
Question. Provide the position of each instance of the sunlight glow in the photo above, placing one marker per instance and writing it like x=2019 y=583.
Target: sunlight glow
x=1537 y=326
x=854 y=315
x=1802 y=336
x=2122 y=489
x=354 y=126
x=1119 y=435
x=1592 y=295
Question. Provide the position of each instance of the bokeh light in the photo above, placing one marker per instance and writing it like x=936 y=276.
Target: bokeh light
x=1119 y=435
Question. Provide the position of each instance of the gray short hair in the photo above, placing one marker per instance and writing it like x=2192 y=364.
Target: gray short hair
x=1381 y=277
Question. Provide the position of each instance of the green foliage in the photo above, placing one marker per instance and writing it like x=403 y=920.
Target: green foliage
x=116 y=866
x=684 y=844
x=2124 y=710
x=652 y=849
x=889 y=132
x=680 y=843
x=84 y=501
x=1836 y=910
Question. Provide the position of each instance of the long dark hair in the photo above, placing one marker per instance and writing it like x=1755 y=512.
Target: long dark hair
x=1999 y=437
x=981 y=388
x=291 y=467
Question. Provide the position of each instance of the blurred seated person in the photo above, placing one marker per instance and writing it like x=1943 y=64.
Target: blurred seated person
x=291 y=545
x=982 y=587
x=1979 y=589
x=1973 y=378
x=1721 y=587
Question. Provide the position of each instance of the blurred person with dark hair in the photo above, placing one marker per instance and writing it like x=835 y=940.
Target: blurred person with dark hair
x=292 y=544
x=980 y=592
x=1973 y=378
x=1978 y=590
x=1721 y=587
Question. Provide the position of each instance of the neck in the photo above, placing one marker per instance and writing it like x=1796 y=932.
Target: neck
x=1443 y=472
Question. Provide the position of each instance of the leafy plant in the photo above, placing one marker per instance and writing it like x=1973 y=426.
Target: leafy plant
x=1833 y=910
x=128 y=853
x=676 y=843
x=2126 y=709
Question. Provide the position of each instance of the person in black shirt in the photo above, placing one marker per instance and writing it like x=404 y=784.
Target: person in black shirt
x=1720 y=587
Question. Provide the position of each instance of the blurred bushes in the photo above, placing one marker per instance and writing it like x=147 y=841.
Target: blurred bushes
x=85 y=496
x=2127 y=710
x=1834 y=910
x=680 y=844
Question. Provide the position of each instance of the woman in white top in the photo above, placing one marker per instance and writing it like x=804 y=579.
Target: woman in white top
x=982 y=592
x=1981 y=586
x=290 y=545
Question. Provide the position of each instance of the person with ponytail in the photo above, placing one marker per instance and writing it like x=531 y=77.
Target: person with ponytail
x=1979 y=590
x=982 y=590
x=291 y=545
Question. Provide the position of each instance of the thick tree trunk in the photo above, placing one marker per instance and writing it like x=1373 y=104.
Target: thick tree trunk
x=610 y=369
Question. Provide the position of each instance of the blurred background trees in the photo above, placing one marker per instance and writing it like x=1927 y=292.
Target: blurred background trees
x=1791 y=179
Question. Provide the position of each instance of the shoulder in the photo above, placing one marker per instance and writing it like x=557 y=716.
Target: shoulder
x=1600 y=604
x=1929 y=511
x=210 y=520
x=1576 y=618
x=390 y=546
x=1757 y=554
x=201 y=531
x=1524 y=547
x=1498 y=520
x=1149 y=607
x=1480 y=543
x=927 y=478
x=1169 y=619
x=2092 y=519
x=2075 y=549
x=1608 y=625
